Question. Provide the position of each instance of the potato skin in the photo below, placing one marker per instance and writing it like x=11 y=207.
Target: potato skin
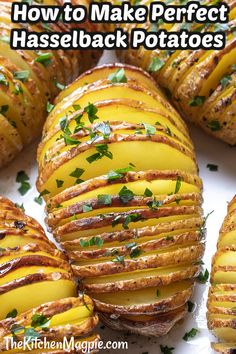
x=222 y=293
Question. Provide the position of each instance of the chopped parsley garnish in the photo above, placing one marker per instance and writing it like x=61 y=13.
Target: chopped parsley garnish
x=119 y=259
x=190 y=306
x=91 y=110
x=178 y=185
x=191 y=334
x=12 y=314
x=59 y=86
x=94 y=241
x=59 y=183
x=131 y=218
x=148 y=193
x=20 y=206
x=40 y=321
x=155 y=204
x=214 y=125
x=50 y=107
x=3 y=109
x=69 y=140
x=77 y=173
x=118 y=174
x=23 y=179
x=212 y=167
x=31 y=334
x=118 y=76
x=166 y=350
x=104 y=128
x=104 y=199
x=3 y=80
x=23 y=75
x=130 y=245
x=102 y=150
x=225 y=81
x=197 y=101
x=156 y=64
x=44 y=58
x=5 y=39
x=38 y=200
x=126 y=195
x=149 y=129
x=221 y=27
x=44 y=192
x=203 y=276
x=18 y=89
x=87 y=208
x=135 y=252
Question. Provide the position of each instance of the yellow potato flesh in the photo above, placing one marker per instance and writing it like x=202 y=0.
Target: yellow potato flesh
x=5 y=259
x=40 y=293
x=73 y=315
x=27 y=270
x=12 y=241
x=132 y=225
x=124 y=153
x=227 y=258
x=225 y=277
x=226 y=334
x=141 y=296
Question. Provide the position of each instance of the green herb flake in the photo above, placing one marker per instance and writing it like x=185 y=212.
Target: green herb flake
x=191 y=334
x=212 y=167
x=118 y=174
x=20 y=206
x=50 y=107
x=23 y=179
x=44 y=58
x=197 y=101
x=119 y=259
x=3 y=80
x=225 y=81
x=59 y=183
x=38 y=200
x=102 y=150
x=131 y=218
x=155 y=65
x=44 y=192
x=40 y=321
x=148 y=193
x=135 y=252
x=166 y=350
x=60 y=86
x=203 y=276
x=178 y=185
x=191 y=306
x=126 y=195
x=214 y=125
x=12 y=314
x=118 y=76
x=94 y=241
x=22 y=75
x=91 y=110
x=155 y=204
x=3 y=109
x=86 y=208
x=31 y=334
x=104 y=199
x=149 y=129
x=77 y=173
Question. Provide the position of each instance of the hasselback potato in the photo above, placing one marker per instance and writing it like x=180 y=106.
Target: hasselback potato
x=117 y=169
x=222 y=293
x=201 y=83
x=38 y=294
x=29 y=81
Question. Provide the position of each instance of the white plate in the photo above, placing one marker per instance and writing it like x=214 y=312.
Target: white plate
x=219 y=188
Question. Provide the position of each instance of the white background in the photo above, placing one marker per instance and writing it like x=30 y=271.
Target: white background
x=219 y=188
